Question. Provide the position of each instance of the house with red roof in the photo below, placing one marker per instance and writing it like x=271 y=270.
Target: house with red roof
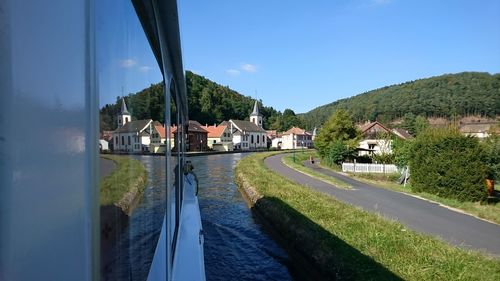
x=159 y=139
x=219 y=137
x=197 y=137
x=296 y=138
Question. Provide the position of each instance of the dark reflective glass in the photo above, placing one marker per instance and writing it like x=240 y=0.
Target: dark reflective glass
x=135 y=139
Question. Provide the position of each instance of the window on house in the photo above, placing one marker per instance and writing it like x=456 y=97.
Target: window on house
x=128 y=140
x=251 y=139
x=123 y=140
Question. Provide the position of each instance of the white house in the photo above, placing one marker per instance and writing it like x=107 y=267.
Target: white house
x=479 y=130
x=248 y=135
x=131 y=136
x=219 y=137
x=158 y=138
x=377 y=138
x=296 y=138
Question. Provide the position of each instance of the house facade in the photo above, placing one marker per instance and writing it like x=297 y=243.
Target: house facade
x=134 y=136
x=219 y=137
x=376 y=138
x=248 y=135
x=158 y=138
x=131 y=136
x=296 y=138
x=480 y=130
x=197 y=137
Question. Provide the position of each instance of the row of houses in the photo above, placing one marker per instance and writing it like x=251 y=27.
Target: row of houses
x=141 y=136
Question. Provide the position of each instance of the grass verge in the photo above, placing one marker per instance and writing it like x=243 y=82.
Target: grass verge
x=348 y=243
x=488 y=212
x=297 y=165
x=124 y=184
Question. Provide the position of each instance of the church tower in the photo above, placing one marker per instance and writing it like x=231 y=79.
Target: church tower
x=124 y=117
x=255 y=116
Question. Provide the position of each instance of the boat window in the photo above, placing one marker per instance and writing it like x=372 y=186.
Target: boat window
x=133 y=176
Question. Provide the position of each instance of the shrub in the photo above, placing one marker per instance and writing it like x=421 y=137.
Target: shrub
x=448 y=164
x=492 y=149
x=337 y=152
x=402 y=150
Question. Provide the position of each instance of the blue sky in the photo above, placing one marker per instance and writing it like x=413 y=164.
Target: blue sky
x=302 y=54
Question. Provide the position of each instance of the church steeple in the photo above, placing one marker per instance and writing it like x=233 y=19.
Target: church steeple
x=124 y=107
x=124 y=116
x=255 y=116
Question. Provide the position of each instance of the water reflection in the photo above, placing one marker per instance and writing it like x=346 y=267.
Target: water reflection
x=235 y=246
x=131 y=253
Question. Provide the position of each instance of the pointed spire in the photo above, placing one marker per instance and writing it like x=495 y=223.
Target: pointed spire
x=255 y=111
x=124 y=107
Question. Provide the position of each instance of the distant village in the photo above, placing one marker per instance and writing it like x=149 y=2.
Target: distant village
x=149 y=136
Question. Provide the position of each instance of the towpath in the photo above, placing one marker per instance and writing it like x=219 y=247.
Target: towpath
x=106 y=167
x=421 y=215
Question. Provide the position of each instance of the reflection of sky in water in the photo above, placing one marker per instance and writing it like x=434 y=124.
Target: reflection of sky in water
x=125 y=62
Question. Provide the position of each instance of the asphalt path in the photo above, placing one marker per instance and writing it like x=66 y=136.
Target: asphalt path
x=106 y=166
x=423 y=216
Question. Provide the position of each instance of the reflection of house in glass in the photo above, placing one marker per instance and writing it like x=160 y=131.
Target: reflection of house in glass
x=131 y=136
x=197 y=137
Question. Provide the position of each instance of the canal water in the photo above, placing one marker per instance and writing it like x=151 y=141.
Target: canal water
x=236 y=247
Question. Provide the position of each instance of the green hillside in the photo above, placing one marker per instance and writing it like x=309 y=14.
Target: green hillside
x=208 y=103
x=461 y=94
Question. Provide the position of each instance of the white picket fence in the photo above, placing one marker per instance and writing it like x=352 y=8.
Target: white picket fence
x=369 y=168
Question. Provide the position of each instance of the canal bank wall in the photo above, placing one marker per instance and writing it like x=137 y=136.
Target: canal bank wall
x=279 y=225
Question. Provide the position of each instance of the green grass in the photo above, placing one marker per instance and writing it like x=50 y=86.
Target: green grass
x=297 y=165
x=488 y=212
x=127 y=181
x=348 y=243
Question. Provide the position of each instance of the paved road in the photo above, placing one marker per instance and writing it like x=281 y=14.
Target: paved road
x=106 y=166
x=423 y=216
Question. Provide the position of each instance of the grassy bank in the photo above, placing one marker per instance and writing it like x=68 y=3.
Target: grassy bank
x=297 y=165
x=489 y=212
x=124 y=184
x=344 y=242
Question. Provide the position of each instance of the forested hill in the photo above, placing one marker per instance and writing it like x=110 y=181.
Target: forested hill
x=208 y=102
x=461 y=94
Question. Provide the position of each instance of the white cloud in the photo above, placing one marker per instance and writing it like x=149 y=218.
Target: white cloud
x=144 y=69
x=233 y=72
x=248 y=67
x=128 y=63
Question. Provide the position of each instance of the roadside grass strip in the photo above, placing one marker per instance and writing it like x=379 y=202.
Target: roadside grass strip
x=347 y=243
x=127 y=181
x=298 y=166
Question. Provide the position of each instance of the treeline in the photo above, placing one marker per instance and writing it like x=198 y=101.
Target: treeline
x=209 y=103
x=450 y=95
